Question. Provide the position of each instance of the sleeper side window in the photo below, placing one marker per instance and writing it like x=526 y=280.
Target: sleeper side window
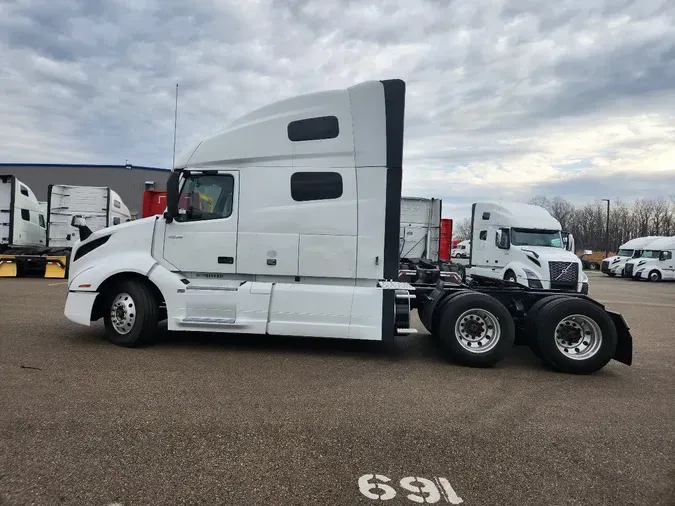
x=316 y=186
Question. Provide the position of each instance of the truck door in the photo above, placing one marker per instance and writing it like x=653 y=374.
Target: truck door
x=203 y=238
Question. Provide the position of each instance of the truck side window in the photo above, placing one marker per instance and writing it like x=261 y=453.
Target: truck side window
x=116 y=220
x=42 y=220
x=483 y=235
x=206 y=197
x=25 y=214
x=24 y=190
x=316 y=186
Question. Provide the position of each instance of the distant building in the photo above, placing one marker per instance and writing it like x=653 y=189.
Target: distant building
x=127 y=180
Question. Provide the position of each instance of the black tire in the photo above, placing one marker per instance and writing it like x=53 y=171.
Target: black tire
x=429 y=314
x=654 y=276
x=553 y=314
x=142 y=322
x=510 y=276
x=490 y=314
x=532 y=320
x=611 y=274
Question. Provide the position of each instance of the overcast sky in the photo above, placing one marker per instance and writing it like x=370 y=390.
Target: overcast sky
x=506 y=99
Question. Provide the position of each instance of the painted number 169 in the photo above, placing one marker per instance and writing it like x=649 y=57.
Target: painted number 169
x=422 y=490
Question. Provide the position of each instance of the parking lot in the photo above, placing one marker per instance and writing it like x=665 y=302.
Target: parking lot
x=202 y=419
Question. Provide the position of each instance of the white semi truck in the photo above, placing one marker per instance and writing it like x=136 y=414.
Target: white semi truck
x=289 y=247
x=614 y=265
x=36 y=237
x=524 y=244
x=656 y=262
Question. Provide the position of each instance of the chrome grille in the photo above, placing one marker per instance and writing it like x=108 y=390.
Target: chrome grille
x=563 y=272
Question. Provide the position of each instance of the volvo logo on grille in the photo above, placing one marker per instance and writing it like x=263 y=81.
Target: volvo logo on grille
x=564 y=271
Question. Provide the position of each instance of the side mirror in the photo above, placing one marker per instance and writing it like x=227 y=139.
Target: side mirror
x=78 y=221
x=81 y=225
x=172 y=197
x=568 y=241
x=502 y=239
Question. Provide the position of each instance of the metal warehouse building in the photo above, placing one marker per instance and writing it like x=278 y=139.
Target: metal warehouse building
x=127 y=180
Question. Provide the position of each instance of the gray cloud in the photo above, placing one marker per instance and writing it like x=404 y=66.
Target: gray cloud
x=507 y=98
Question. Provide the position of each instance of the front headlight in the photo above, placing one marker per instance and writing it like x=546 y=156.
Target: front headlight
x=532 y=279
x=584 y=277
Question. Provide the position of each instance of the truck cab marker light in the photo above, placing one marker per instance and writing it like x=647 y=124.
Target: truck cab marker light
x=85 y=286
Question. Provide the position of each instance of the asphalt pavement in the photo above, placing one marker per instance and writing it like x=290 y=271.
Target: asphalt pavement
x=210 y=420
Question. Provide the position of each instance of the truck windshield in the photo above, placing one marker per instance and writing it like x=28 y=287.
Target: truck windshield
x=651 y=253
x=531 y=237
x=625 y=253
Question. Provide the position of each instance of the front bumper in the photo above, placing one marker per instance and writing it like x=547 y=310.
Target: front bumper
x=79 y=306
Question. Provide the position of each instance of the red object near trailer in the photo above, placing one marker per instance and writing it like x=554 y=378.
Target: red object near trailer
x=446 y=239
x=154 y=202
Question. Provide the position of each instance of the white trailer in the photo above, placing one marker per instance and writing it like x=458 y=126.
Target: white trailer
x=21 y=218
x=614 y=265
x=420 y=241
x=266 y=233
x=656 y=262
x=40 y=235
x=420 y=234
x=99 y=205
x=523 y=243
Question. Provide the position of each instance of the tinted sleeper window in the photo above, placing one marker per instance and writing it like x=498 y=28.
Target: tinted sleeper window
x=316 y=186
x=313 y=129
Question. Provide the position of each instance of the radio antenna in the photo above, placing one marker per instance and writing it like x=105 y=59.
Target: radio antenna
x=175 y=125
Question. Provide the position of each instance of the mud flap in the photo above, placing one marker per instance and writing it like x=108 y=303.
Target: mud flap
x=624 y=344
x=56 y=267
x=7 y=266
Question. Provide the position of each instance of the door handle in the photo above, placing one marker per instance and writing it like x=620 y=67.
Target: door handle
x=225 y=260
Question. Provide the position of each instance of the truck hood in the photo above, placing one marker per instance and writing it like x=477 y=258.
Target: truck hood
x=119 y=229
x=550 y=254
x=641 y=261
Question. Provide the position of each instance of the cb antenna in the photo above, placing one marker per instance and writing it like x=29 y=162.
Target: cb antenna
x=175 y=124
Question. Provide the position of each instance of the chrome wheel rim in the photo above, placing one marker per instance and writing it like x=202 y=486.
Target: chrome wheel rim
x=578 y=337
x=654 y=276
x=123 y=313
x=477 y=330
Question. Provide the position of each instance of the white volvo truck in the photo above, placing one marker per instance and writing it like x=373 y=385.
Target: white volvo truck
x=656 y=262
x=613 y=266
x=523 y=243
x=36 y=237
x=287 y=223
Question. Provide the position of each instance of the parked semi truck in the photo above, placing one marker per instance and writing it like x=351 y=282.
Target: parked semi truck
x=292 y=249
x=614 y=265
x=656 y=262
x=37 y=237
x=523 y=243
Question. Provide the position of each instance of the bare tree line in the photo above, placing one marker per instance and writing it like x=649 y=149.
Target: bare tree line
x=588 y=223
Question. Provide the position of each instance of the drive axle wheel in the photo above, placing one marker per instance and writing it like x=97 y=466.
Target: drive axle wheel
x=575 y=336
x=475 y=329
x=532 y=320
x=131 y=314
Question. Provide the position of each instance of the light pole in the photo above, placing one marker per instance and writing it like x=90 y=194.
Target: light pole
x=607 y=230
